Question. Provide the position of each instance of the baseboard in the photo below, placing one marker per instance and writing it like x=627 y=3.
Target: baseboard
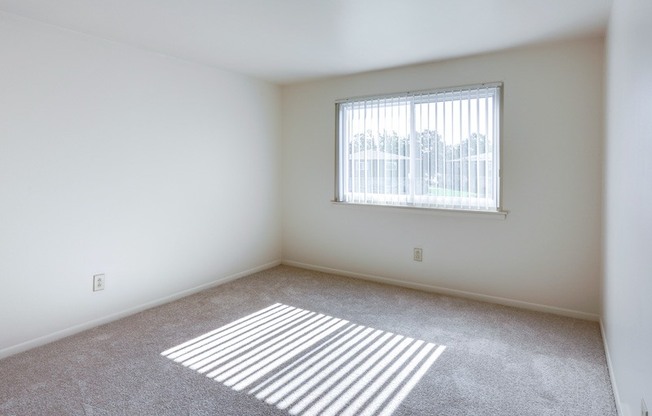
x=452 y=292
x=36 y=342
x=612 y=375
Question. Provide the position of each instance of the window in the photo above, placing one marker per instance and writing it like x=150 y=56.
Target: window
x=429 y=149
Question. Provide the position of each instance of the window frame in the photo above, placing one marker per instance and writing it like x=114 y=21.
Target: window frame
x=413 y=97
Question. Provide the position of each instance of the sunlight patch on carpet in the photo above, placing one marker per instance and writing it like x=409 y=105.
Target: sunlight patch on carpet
x=309 y=363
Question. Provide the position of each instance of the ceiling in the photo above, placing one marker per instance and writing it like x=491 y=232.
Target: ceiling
x=287 y=41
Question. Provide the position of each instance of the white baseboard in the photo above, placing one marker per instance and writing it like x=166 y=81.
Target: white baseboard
x=612 y=376
x=45 y=339
x=452 y=292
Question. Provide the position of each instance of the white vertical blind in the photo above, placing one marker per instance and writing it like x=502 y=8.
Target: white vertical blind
x=430 y=149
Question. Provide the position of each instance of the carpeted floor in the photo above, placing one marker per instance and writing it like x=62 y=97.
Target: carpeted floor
x=291 y=341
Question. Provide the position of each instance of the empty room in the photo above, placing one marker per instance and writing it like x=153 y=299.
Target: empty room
x=328 y=207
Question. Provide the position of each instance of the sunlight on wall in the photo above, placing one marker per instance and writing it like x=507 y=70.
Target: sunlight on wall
x=310 y=363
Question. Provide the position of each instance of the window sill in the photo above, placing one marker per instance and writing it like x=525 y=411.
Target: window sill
x=501 y=214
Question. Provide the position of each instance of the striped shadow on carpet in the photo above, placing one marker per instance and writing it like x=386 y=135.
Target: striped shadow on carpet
x=310 y=363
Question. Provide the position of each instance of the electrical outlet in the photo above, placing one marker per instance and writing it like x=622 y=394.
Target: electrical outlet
x=418 y=254
x=98 y=282
x=644 y=411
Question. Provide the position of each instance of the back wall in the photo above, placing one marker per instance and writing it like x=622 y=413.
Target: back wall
x=545 y=254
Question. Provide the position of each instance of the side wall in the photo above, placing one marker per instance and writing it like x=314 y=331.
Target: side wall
x=627 y=306
x=160 y=173
x=545 y=254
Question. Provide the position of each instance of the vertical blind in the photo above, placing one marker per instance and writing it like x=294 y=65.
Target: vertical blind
x=429 y=149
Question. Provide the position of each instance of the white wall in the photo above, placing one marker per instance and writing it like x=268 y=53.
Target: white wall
x=160 y=173
x=627 y=307
x=546 y=252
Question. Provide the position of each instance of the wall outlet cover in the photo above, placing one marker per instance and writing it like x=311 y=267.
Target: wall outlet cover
x=98 y=282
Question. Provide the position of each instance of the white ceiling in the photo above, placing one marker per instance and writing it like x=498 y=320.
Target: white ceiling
x=287 y=41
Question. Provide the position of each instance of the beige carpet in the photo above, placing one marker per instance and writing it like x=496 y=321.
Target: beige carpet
x=291 y=341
